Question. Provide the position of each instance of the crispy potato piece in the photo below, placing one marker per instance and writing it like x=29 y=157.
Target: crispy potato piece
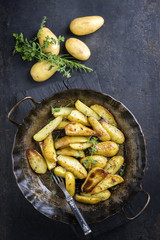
x=104 y=113
x=70 y=183
x=60 y=171
x=48 y=149
x=108 y=148
x=36 y=161
x=93 y=177
x=103 y=134
x=72 y=165
x=106 y=183
x=65 y=141
x=64 y=112
x=62 y=124
x=76 y=116
x=78 y=129
x=94 y=161
x=114 y=164
x=102 y=195
x=116 y=135
x=50 y=165
x=86 y=110
x=80 y=146
x=68 y=151
x=88 y=200
x=45 y=131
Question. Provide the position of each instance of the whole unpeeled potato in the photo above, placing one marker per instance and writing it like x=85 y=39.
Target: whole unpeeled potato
x=77 y=49
x=86 y=25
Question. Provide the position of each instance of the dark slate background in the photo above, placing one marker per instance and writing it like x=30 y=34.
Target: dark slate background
x=126 y=57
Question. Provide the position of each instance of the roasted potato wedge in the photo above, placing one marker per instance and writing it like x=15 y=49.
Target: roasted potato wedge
x=70 y=183
x=114 y=164
x=93 y=177
x=46 y=130
x=72 y=165
x=48 y=149
x=106 y=183
x=65 y=141
x=108 y=148
x=80 y=146
x=86 y=199
x=36 y=161
x=60 y=171
x=116 y=135
x=94 y=161
x=50 y=164
x=76 y=116
x=78 y=129
x=102 y=195
x=103 y=134
x=68 y=151
x=86 y=110
x=104 y=113
x=63 y=111
x=63 y=124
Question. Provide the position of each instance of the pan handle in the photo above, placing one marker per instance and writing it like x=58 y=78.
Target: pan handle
x=16 y=105
x=141 y=211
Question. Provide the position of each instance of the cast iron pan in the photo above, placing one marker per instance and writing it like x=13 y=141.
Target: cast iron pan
x=38 y=190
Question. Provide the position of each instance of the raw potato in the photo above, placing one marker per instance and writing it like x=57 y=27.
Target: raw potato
x=70 y=183
x=68 y=151
x=40 y=71
x=103 y=134
x=60 y=171
x=72 y=165
x=93 y=177
x=86 y=25
x=86 y=199
x=77 y=49
x=78 y=129
x=86 y=110
x=108 y=148
x=36 y=161
x=48 y=148
x=102 y=195
x=50 y=165
x=114 y=164
x=106 y=183
x=116 y=135
x=64 y=111
x=63 y=124
x=45 y=131
x=65 y=141
x=76 y=116
x=53 y=48
x=80 y=146
x=104 y=113
x=94 y=161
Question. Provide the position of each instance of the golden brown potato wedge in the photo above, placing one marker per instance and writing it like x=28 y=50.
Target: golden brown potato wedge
x=116 y=135
x=86 y=110
x=63 y=111
x=104 y=113
x=103 y=134
x=72 y=165
x=50 y=164
x=62 y=125
x=108 y=148
x=76 y=116
x=102 y=195
x=45 y=131
x=93 y=177
x=60 y=171
x=94 y=161
x=78 y=129
x=65 y=141
x=106 y=183
x=80 y=146
x=114 y=164
x=86 y=199
x=70 y=183
x=68 y=151
x=48 y=149
x=36 y=161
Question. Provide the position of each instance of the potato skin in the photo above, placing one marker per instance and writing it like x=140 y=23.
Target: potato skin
x=78 y=129
x=60 y=171
x=68 y=151
x=76 y=116
x=39 y=71
x=77 y=49
x=48 y=148
x=108 y=148
x=80 y=146
x=70 y=183
x=104 y=195
x=36 y=161
x=86 y=199
x=65 y=141
x=50 y=164
x=86 y=25
x=100 y=161
x=87 y=111
x=114 y=164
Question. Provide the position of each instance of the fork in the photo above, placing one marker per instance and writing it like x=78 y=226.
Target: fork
x=60 y=182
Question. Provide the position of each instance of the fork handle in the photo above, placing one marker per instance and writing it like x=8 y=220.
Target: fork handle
x=86 y=229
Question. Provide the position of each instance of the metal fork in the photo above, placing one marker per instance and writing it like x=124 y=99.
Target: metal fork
x=60 y=182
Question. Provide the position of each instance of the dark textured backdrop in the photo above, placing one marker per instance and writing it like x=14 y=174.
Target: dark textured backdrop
x=126 y=57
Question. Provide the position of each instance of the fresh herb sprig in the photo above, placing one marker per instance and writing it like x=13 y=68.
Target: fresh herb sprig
x=87 y=163
x=94 y=141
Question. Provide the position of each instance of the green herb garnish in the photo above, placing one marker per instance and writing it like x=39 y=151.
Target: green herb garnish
x=94 y=141
x=54 y=192
x=50 y=119
x=87 y=163
x=56 y=137
x=53 y=110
